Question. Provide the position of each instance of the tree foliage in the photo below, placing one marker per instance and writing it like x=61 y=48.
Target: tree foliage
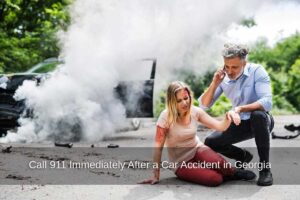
x=248 y=22
x=28 y=31
x=283 y=64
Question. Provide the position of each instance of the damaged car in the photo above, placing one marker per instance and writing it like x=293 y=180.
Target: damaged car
x=11 y=110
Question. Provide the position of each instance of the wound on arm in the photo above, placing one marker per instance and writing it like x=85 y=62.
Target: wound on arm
x=160 y=134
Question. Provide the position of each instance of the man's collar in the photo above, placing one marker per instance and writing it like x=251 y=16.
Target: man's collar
x=246 y=69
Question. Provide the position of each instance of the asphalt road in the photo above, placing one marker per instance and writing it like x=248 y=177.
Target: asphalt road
x=37 y=180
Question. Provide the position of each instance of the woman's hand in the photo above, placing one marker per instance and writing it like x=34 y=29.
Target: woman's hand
x=233 y=117
x=151 y=181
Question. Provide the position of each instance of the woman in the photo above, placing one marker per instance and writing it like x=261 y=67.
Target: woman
x=177 y=126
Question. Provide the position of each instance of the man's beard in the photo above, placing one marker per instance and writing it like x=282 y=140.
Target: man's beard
x=238 y=76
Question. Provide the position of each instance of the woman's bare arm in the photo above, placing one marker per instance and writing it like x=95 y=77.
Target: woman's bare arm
x=160 y=138
x=218 y=125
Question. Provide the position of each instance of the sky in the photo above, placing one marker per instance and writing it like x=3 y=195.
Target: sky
x=275 y=21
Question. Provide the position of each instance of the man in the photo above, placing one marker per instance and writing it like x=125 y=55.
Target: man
x=247 y=86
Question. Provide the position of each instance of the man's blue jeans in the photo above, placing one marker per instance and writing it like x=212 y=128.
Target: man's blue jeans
x=258 y=126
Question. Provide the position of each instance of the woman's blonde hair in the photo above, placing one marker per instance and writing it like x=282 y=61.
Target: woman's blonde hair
x=173 y=88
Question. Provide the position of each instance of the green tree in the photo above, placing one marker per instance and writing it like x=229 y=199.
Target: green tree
x=248 y=22
x=293 y=93
x=282 y=63
x=197 y=83
x=28 y=31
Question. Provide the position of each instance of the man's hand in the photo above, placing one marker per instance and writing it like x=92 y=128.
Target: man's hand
x=234 y=117
x=208 y=95
x=218 y=77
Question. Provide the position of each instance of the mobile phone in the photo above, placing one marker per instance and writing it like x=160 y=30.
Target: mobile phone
x=224 y=71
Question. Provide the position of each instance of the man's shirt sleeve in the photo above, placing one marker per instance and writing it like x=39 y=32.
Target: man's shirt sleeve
x=263 y=88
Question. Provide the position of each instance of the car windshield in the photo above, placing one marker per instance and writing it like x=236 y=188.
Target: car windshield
x=47 y=65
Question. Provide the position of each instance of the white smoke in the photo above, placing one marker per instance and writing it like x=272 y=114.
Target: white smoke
x=99 y=49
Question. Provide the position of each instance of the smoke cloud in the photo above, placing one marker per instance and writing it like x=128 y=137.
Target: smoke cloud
x=104 y=44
